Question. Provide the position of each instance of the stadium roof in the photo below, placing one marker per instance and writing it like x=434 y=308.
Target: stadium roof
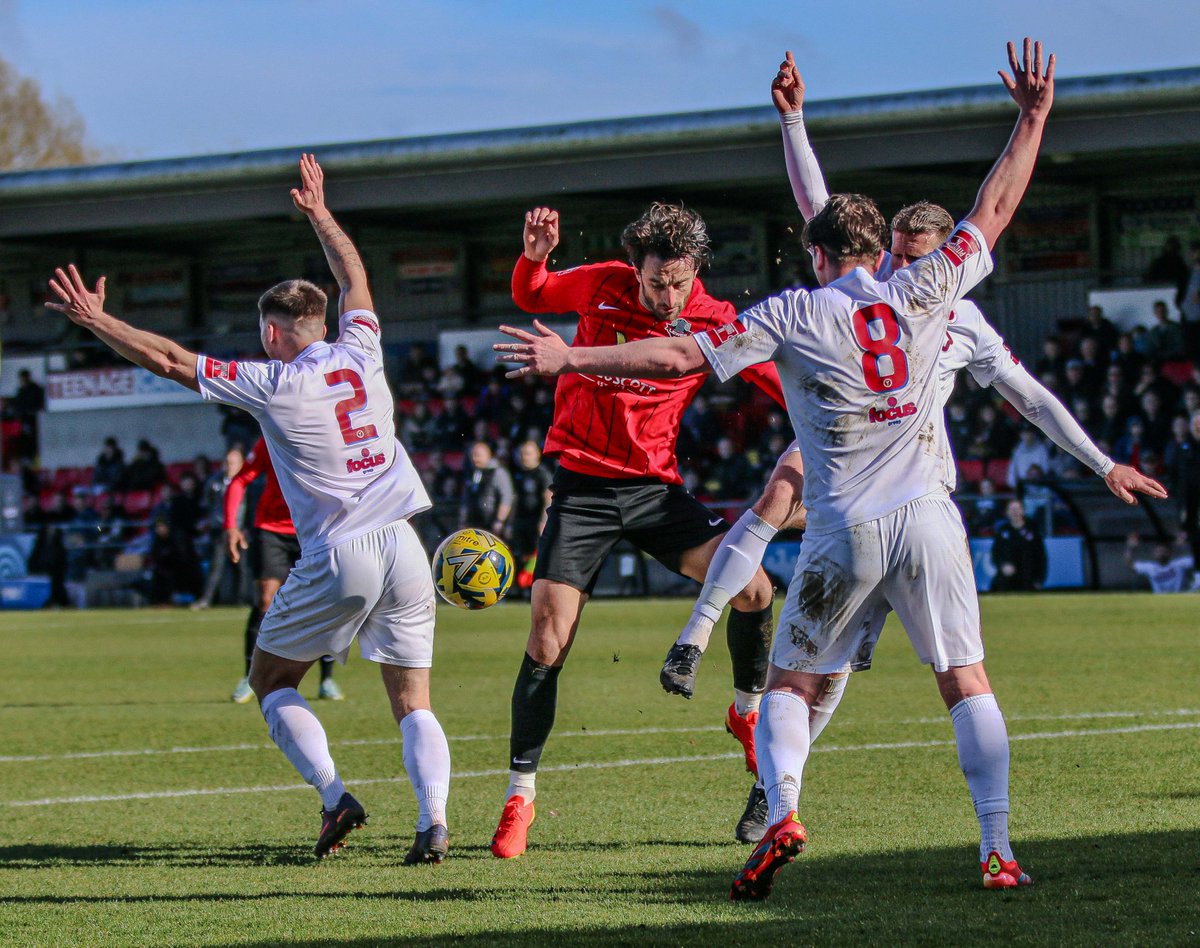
x=1092 y=114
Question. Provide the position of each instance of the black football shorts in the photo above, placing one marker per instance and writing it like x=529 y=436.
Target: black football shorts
x=274 y=554
x=589 y=515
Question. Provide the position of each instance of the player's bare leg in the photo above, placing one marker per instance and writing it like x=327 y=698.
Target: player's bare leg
x=426 y=759
x=556 y=609
x=297 y=732
x=982 y=739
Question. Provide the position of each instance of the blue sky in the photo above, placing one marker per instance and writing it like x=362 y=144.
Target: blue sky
x=156 y=78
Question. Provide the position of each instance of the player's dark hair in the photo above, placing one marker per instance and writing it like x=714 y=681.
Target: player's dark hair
x=848 y=227
x=669 y=231
x=295 y=300
x=924 y=218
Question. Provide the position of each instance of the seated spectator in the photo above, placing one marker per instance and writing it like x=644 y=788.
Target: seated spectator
x=993 y=435
x=1141 y=341
x=1110 y=427
x=1018 y=552
x=239 y=428
x=699 y=431
x=730 y=476
x=172 y=565
x=418 y=430
x=1052 y=358
x=1181 y=458
x=1076 y=384
x=470 y=373
x=1127 y=359
x=1157 y=424
x=1094 y=360
x=451 y=426
x=1168 y=392
x=109 y=471
x=984 y=510
x=1097 y=326
x=1120 y=388
x=1190 y=403
x=1129 y=447
x=1168 y=571
x=1165 y=341
x=959 y=426
x=1030 y=451
x=442 y=481
x=145 y=471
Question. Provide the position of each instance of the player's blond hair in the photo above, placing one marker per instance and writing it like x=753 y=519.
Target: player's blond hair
x=848 y=227
x=294 y=300
x=924 y=218
x=668 y=231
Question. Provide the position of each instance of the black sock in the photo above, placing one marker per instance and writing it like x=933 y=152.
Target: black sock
x=749 y=637
x=326 y=668
x=534 y=701
x=252 y=624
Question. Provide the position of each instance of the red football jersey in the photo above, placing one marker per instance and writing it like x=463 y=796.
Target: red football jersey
x=611 y=427
x=272 y=512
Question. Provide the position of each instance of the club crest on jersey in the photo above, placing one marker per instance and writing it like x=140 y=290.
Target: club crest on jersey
x=366 y=462
x=894 y=414
x=961 y=245
x=220 y=370
x=720 y=335
x=679 y=327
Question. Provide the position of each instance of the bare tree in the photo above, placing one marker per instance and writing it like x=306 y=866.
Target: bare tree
x=35 y=133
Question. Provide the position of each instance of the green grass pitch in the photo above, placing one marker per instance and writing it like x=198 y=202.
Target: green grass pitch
x=138 y=806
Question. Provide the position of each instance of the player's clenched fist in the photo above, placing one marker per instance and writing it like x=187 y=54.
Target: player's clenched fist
x=541 y=233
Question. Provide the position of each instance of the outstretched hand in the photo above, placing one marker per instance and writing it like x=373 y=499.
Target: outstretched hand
x=541 y=233
x=1123 y=480
x=1030 y=87
x=79 y=304
x=310 y=197
x=543 y=352
x=787 y=89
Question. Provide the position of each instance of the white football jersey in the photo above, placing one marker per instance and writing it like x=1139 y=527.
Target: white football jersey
x=860 y=362
x=327 y=420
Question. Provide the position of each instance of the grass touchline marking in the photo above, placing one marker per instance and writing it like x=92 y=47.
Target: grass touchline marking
x=587 y=765
x=610 y=732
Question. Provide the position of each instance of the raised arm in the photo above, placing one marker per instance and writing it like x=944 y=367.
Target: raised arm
x=1002 y=190
x=85 y=308
x=543 y=352
x=808 y=184
x=1038 y=404
x=344 y=261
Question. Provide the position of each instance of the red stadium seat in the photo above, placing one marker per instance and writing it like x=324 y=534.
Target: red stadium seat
x=137 y=503
x=997 y=471
x=177 y=470
x=970 y=472
x=1179 y=372
x=454 y=460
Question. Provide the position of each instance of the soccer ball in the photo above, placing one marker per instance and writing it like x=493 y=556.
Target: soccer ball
x=472 y=569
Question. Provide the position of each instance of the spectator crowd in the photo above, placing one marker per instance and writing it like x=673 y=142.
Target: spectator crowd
x=475 y=437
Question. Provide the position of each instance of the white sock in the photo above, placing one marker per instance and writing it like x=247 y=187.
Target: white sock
x=521 y=785
x=732 y=568
x=782 y=742
x=298 y=733
x=823 y=708
x=427 y=762
x=982 y=740
x=746 y=701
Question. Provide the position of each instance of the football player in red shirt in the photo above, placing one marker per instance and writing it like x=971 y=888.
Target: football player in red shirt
x=275 y=552
x=618 y=478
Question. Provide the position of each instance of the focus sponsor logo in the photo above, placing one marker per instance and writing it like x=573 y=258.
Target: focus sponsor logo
x=893 y=414
x=366 y=462
x=961 y=245
x=220 y=370
x=720 y=335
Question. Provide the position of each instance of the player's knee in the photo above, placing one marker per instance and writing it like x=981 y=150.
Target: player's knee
x=758 y=595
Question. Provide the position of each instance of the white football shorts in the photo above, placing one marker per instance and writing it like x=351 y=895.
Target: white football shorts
x=915 y=560
x=377 y=587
